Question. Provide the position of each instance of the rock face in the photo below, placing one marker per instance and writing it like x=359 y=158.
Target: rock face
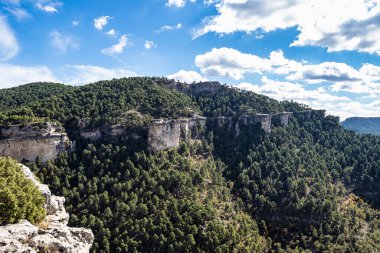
x=45 y=140
x=109 y=132
x=195 y=89
x=309 y=114
x=252 y=122
x=52 y=235
x=281 y=118
x=165 y=134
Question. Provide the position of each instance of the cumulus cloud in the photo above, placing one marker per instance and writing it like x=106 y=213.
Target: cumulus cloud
x=165 y=28
x=149 y=44
x=186 y=76
x=84 y=74
x=13 y=75
x=235 y=64
x=111 y=33
x=353 y=27
x=178 y=3
x=317 y=98
x=48 y=6
x=8 y=42
x=326 y=71
x=101 y=22
x=117 y=48
x=230 y=62
x=63 y=42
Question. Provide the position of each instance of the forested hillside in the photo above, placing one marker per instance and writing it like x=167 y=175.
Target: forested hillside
x=310 y=186
x=363 y=125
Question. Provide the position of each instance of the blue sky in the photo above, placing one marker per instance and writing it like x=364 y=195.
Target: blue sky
x=325 y=53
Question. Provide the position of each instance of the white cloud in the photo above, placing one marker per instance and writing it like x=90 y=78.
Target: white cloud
x=316 y=98
x=186 y=76
x=168 y=28
x=291 y=91
x=84 y=74
x=18 y=12
x=149 y=44
x=8 y=42
x=235 y=64
x=13 y=75
x=75 y=22
x=371 y=88
x=178 y=3
x=208 y=2
x=371 y=71
x=63 y=42
x=101 y=22
x=326 y=71
x=117 y=48
x=111 y=33
x=46 y=8
x=353 y=27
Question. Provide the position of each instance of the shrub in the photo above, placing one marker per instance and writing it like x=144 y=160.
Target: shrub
x=19 y=197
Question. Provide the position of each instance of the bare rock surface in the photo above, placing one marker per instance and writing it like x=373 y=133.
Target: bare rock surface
x=44 y=140
x=51 y=235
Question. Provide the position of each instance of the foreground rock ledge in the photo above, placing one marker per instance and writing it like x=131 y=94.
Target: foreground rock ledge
x=52 y=235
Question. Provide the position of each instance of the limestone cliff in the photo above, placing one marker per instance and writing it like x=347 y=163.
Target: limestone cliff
x=161 y=134
x=44 y=140
x=52 y=235
x=250 y=122
x=195 y=89
x=165 y=134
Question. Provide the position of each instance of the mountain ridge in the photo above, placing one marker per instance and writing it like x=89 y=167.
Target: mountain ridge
x=172 y=200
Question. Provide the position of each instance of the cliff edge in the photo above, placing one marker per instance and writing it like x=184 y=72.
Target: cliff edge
x=51 y=235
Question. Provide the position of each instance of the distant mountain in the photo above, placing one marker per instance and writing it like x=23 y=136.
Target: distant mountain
x=363 y=125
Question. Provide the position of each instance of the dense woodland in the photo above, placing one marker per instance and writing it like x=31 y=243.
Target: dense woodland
x=309 y=187
x=363 y=125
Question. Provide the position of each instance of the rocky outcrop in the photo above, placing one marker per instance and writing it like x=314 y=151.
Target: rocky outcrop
x=250 y=122
x=43 y=140
x=51 y=235
x=107 y=132
x=281 y=118
x=165 y=134
x=195 y=89
x=309 y=114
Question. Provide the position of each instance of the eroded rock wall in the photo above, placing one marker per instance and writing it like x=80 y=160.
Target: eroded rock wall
x=166 y=134
x=309 y=114
x=43 y=140
x=51 y=235
x=281 y=118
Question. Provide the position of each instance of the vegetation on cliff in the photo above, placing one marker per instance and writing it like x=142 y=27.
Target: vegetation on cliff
x=19 y=197
x=309 y=187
